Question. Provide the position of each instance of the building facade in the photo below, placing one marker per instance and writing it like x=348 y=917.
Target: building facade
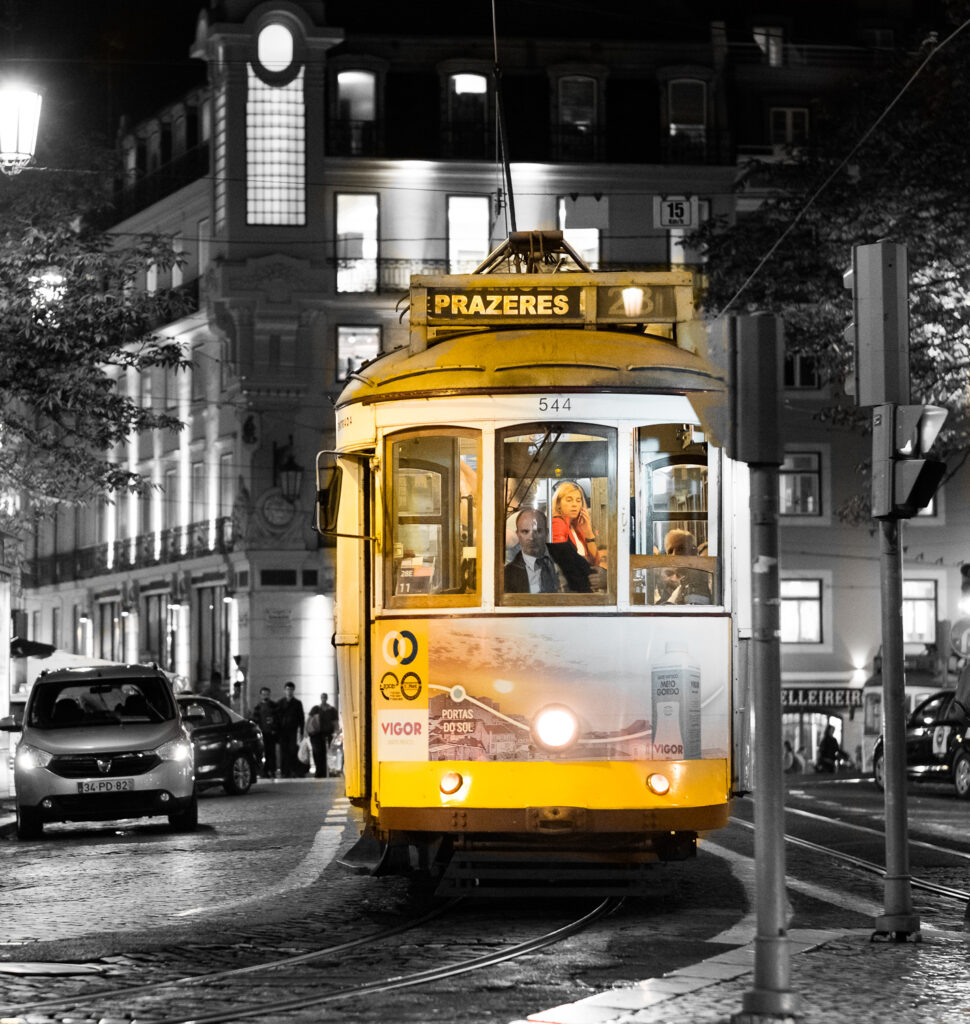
x=319 y=166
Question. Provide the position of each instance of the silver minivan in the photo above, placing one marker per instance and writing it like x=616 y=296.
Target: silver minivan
x=100 y=744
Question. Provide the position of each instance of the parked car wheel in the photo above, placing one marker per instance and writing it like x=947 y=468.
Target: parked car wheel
x=186 y=820
x=961 y=776
x=242 y=774
x=29 y=824
x=878 y=770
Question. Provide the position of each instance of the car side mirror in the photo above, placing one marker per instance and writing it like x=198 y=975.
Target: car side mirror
x=10 y=724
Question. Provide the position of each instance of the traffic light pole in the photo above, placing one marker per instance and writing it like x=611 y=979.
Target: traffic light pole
x=755 y=359
x=899 y=921
x=771 y=997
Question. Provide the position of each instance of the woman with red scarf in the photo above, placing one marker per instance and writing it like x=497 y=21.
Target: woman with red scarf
x=571 y=522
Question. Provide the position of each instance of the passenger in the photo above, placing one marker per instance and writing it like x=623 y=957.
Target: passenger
x=541 y=568
x=682 y=585
x=571 y=523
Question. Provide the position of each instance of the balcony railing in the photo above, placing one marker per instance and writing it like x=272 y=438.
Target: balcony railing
x=169 y=178
x=173 y=545
x=353 y=138
x=383 y=275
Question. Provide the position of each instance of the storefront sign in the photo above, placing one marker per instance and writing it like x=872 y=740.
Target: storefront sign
x=821 y=697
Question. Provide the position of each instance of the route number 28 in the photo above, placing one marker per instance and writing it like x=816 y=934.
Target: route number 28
x=547 y=404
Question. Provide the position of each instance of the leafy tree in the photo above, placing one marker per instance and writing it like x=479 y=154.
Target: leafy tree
x=867 y=173
x=72 y=317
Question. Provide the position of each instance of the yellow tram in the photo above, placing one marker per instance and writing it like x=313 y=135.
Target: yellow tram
x=537 y=574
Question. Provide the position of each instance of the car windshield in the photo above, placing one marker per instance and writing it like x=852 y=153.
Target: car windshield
x=69 y=703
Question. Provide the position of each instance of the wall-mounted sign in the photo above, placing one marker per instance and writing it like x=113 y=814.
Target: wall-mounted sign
x=675 y=211
x=821 y=697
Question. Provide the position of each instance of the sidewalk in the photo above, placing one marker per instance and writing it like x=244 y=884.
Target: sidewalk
x=839 y=976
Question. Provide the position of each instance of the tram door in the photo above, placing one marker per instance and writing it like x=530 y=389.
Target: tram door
x=351 y=615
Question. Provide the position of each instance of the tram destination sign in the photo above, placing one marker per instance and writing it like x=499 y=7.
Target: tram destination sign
x=569 y=304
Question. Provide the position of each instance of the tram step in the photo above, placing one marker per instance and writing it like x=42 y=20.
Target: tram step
x=497 y=874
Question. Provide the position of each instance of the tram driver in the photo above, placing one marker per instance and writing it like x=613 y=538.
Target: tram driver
x=542 y=568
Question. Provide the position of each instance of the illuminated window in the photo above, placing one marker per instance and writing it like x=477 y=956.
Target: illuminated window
x=771 y=42
x=919 y=611
x=356 y=243
x=800 y=484
x=356 y=112
x=356 y=346
x=197 y=492
x=274 y=48
x=801 y=611
x=275 y=152
x=468 y=232
x=580 y=219
x=227 y=483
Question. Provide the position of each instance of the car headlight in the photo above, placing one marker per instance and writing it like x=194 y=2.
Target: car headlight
x=28 y=757
x=555 y=727
x=175 y=750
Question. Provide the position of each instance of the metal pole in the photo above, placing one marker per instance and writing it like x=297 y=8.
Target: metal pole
x=771 y=998
x=899 y=919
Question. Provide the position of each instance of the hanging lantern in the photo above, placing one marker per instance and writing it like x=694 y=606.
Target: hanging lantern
x=19 y=118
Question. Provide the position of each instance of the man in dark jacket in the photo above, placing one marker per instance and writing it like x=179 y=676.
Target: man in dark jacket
x=264 y=715
x=541 y=568
x=290 y=714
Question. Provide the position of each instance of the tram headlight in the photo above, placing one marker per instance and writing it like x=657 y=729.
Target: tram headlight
x=450 y=783
x=658 y=783
x=555 y=727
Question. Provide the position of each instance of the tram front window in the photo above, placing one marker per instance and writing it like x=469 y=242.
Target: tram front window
x=556 y=515
x=434 y=508
x=673 y=554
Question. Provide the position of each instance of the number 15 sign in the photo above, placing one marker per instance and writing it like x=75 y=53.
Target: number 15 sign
x=675 y=211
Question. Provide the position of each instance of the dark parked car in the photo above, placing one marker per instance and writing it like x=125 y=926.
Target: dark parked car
x=228 y=748
x=937 y=742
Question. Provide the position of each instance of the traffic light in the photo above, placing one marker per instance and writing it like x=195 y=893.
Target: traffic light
x=879 y=332
x=904 y=480
x=755 y=354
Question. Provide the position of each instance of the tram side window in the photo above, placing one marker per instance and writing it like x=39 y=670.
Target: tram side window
x=673 y=552
x=558 y=507
x=434 y=507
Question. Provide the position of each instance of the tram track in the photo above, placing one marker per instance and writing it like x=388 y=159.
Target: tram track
x=278 y=975
x=925 y=885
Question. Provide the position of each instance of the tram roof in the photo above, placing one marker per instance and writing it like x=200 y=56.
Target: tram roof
x=522 y=360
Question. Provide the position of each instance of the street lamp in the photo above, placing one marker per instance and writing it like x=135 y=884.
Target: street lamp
x=291 y=479
x=19 y=117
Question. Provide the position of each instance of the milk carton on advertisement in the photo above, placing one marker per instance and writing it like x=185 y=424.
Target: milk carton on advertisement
x=675 y=683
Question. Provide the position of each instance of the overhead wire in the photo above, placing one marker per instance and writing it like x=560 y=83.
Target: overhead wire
x=793 y=223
